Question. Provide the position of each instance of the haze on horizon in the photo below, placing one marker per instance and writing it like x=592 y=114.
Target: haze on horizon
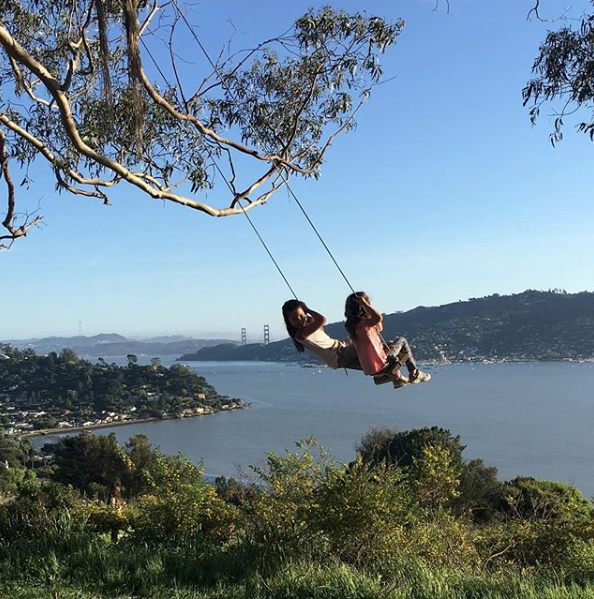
x=253 y=336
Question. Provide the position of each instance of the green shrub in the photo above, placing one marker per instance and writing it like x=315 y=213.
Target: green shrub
x=441 y=540
x=480 y=492
x=109 y=519
x=183 y=509
x=430 y=457
x=564 y=546
x=531 y=498
x=363 y=511
x=280 y=514
x=41 y=512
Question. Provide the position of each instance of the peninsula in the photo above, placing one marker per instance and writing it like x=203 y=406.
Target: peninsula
x=63 y=392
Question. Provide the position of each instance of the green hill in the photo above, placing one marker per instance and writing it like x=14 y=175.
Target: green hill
x=533 y=325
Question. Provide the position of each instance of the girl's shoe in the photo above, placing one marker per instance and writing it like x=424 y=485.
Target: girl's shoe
x=401 y=381
x=418 y=377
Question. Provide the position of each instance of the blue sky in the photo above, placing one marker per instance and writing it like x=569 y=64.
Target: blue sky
x=443 y=192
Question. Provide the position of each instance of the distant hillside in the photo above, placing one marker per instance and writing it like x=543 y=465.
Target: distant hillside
x=71 y=342
x=105 y=345
x=534 y=325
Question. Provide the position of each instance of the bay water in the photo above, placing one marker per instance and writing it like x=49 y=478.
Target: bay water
x=530 y=419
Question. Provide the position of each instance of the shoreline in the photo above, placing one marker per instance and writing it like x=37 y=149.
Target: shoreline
x=45 y=432
x=430 y=362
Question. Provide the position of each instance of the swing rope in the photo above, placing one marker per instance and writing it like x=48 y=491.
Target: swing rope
x=289 y=189
x=265 y=247
x=230 y=187
x=318 y=235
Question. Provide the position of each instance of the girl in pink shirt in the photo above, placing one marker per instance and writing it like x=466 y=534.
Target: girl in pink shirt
x=377 y=357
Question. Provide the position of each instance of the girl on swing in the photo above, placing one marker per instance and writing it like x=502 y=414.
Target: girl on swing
x=378 y=358
x=305 y=327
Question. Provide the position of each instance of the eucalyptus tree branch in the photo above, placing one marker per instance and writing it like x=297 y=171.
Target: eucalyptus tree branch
x=8 y=222
x=85 y=43
x=262 y=199
x=249 y=190
x=220 y=66
x=100 y=121
x=18 y=53
x=215 y=73
x=202 y=128
x=25 y=85
x=96 y=182
x=563 y=71
x=174 y=64
x=52 y=158
x=231 y=167
x=328 y=143
x=72 y=66
x=82 y=192
x=303 y=106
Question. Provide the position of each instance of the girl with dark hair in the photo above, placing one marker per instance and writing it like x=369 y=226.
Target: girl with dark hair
x=364 y=324
x=306 y=328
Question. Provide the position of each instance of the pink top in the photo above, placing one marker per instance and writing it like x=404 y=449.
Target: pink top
x=370 y=349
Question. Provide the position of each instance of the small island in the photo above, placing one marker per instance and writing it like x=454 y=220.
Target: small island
x=58 y=392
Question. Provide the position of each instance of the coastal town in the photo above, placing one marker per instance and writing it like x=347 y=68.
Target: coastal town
x=60 y=392
x=31 y=422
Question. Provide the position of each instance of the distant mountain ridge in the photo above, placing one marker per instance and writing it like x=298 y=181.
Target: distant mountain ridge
x=533 y=325
x=112 y=344
x=73 y=341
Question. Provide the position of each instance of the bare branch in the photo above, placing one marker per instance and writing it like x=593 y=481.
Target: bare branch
x=534 y=10
x=220 y=66
x=8 y=222
x=437 y=6
x=150 y=16
x=231 y=167
x=174 y=65
x=72 y=66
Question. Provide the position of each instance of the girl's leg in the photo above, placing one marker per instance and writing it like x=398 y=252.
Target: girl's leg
x=400 y=349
